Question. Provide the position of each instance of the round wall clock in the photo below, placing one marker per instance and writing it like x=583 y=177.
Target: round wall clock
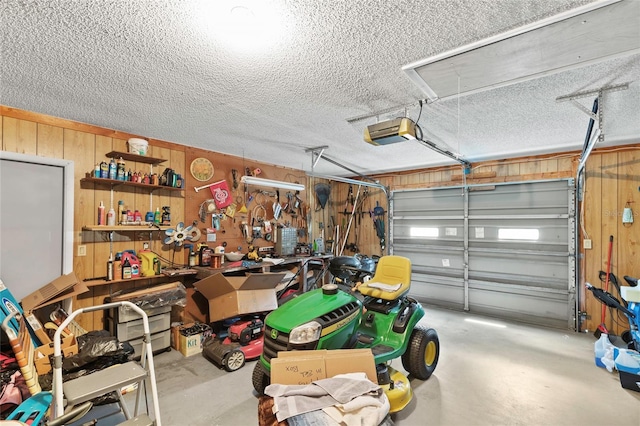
x=201 y=169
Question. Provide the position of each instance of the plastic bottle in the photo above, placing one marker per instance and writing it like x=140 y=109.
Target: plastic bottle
x=104 y=170
x=603 y=351
x=101 y=214
x=126 y=269
x=193 y=258
x=111 y=217
x=137 y=217
x=113 y=168
x=157 y=216
x=120 y=171
x=96 y=170
x=117 y=269
x=120 y=217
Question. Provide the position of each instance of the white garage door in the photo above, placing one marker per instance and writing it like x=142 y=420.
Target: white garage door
x=505 y=250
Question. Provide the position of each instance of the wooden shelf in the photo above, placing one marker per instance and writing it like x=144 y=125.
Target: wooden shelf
x=113 y=182
x=126 y=228
x=164 y=276
x=135 y=157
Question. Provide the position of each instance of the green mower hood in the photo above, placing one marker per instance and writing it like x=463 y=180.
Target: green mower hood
x=307 y=307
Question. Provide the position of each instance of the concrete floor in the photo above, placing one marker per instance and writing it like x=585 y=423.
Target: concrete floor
x=509 y=374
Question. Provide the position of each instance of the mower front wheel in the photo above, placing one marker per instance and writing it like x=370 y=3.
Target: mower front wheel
x=260 y=379
x=421 y=357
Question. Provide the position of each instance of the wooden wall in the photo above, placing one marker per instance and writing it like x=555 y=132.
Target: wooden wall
x=258 y=203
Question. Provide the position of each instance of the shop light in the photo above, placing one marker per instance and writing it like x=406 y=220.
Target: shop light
x=252 y=180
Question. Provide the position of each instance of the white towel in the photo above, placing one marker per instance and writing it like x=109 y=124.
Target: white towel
x=385 y=287
x=291 y=400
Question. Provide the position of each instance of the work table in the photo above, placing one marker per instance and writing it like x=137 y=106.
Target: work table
x=267 y=265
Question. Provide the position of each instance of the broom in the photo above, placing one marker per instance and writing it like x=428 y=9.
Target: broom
x=602 y=328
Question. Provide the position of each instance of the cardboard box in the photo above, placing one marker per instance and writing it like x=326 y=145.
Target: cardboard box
x=304 y=367
x=61 y=288
x=192 y=345
x=232 y=296
x=44 y=353
x=197 y=307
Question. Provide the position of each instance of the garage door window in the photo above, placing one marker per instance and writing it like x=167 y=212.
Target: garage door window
x=518 y=234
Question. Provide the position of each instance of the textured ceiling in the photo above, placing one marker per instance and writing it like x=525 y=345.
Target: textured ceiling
x=171 y=70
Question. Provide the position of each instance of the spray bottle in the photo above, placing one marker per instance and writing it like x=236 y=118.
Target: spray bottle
x=101 y=214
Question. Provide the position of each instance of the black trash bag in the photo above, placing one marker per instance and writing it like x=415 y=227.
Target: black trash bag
x=96 y=346
x=97 y=350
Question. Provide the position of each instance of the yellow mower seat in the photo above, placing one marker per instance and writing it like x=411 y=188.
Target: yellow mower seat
x=391 y=280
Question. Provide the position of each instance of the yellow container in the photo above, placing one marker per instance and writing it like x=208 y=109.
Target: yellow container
x=146 y=268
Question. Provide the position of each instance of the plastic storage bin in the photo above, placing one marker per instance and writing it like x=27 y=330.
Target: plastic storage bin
x=627 y=363
x=138 y=146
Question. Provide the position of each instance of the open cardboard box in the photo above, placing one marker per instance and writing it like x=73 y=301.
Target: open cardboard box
x=61 y=288
x=43 y=354
x=304 y=367
x=232 y=296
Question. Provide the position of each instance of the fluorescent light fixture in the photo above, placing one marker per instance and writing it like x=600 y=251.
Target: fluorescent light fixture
x=255 y=181
x=491 y=324
x=518 y=234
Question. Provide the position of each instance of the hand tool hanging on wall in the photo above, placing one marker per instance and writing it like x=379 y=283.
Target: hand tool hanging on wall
x=353 y=210
x=378 y=223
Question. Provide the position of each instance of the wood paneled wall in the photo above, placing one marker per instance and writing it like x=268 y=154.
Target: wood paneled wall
x=257 y=201
x=36 y=134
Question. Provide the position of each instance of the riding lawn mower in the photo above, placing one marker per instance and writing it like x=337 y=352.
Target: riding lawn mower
x=385 y=320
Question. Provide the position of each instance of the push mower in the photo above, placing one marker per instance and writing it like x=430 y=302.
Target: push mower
x=386 y=321
x=243 y=342
x=631 y=309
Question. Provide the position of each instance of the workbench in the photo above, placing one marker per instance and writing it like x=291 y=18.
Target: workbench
x=318 y=262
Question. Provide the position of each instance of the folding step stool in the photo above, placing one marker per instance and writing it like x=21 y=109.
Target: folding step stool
x=111 y=379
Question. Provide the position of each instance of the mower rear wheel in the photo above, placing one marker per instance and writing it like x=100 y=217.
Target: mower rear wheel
x=259 y=378
x=234 y=360
x=421 y=357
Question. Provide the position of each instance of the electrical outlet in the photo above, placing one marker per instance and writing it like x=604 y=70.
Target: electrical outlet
x=82 y=250
x=145 y=246
x=587 y=244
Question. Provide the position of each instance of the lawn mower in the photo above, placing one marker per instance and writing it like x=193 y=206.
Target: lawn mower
x=386 y=321
x=242 y=342
x=631 y=309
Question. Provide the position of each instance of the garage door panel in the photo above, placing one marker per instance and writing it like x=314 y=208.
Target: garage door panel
x=438 y=290
x=520 y=268
x=522 y=198
x=529 y=278
x=434 y=258
x=521 y=304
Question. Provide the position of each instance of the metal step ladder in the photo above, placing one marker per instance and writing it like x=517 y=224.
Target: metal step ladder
x=111 y=379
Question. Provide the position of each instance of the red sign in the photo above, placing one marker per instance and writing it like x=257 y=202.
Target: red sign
x=221 y=194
